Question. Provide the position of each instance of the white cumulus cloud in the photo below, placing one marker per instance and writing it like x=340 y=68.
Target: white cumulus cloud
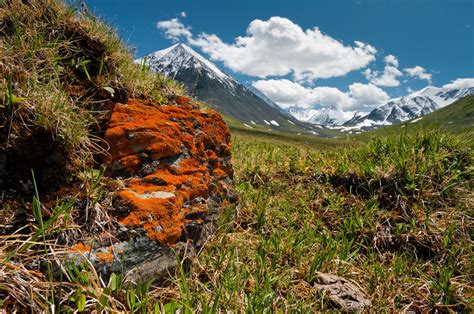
x=183 y=14
x=391 y=60
x=174 y=29
x=289 y=94
x=389 y=76
x=460 y=83
x=279 y=47
x=419 y=72
x=366 y=96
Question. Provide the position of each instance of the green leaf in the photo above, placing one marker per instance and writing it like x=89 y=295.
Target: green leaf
x=81 y=303
x=113 y=282
x=170 y=307
x=16 y=100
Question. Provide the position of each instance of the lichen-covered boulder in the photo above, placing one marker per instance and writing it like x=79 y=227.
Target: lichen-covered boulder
x=172 y=167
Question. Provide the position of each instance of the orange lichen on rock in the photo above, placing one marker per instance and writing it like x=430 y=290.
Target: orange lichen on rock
x=104 y=257
x=167 y=156
x=80 y=247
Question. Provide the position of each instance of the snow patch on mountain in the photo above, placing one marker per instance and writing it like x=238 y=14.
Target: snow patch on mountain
x=323 y=116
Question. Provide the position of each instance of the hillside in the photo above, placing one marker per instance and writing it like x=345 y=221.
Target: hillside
x=456 y=117
x=106 y=169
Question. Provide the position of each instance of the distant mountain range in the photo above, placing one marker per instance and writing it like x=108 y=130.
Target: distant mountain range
x=411 y=106
x=208 y=83
x=457 y=117
x=328 y=116
x=405 y=108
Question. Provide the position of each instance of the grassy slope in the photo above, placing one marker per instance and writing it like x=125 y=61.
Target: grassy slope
x=261 y=132
x=457 y=117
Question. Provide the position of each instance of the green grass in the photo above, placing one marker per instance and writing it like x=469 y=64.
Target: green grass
x=261 y=133
x=394 y=216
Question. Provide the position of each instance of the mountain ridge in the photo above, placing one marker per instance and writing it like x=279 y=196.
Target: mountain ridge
x=414 y=105
x=408 y=107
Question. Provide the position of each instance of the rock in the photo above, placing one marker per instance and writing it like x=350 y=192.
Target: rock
x=173 y=162
x=342 y=293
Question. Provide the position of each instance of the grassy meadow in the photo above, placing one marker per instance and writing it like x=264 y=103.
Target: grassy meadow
x=393 y=215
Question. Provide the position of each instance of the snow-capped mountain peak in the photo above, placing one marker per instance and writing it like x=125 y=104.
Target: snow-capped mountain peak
x=171 y=60
x=324 y=116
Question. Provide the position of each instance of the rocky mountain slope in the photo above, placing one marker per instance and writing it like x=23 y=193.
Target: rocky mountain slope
x=208 y=83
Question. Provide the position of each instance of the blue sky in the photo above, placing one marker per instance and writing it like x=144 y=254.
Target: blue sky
x=436 y=35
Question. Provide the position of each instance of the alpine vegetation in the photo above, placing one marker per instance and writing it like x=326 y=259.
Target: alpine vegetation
x=165 y=185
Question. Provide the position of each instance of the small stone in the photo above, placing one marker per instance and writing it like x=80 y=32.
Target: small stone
x=342 y=293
